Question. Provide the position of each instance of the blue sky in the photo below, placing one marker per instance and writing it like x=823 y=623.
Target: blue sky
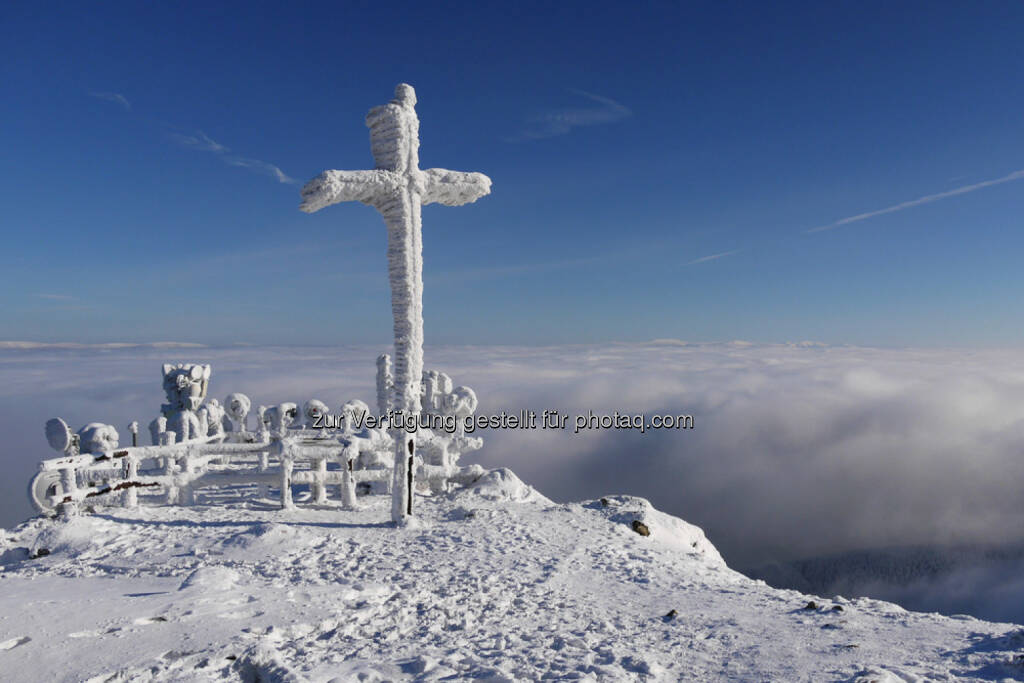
x=659 y=171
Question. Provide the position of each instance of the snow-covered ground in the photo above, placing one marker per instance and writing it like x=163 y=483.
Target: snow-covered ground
x=496 y=583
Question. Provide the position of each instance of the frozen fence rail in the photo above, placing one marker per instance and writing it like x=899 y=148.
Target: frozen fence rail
x=282 y=452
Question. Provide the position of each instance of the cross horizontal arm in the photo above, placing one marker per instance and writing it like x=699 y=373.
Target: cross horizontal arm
x=453 y=188
x=332 y=187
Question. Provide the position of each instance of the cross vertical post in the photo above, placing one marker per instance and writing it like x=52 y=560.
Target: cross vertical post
x=397 y=188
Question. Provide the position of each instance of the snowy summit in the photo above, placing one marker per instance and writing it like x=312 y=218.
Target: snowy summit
x=497 y=584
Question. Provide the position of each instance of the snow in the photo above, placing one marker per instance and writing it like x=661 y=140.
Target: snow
x=498 y=583
x=501 y=485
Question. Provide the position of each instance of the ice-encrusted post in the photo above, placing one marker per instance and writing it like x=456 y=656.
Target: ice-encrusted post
x=397 y=188
x=348 y=486
x=385 y=384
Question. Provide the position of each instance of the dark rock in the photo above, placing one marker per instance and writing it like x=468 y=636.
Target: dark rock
x=604 y=502
x=672 y=614
x=811 y=605
x=837 y=608
x=641 y=528
x=42 y=552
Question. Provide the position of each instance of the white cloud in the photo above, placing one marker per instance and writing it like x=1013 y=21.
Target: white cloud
x=56 y=297
x=117 y=98
x=261 y=167
x=562 y=121
x=713 y=257
x=202 y=142
x=927 y=199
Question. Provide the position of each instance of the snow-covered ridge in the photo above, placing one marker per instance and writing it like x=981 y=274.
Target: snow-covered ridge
x=498 y=583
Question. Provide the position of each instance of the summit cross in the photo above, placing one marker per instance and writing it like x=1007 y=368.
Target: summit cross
x=397 y=188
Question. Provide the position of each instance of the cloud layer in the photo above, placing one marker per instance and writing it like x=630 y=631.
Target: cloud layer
x=798 y=450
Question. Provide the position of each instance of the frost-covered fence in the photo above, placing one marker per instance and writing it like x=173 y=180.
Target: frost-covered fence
x=289 y=447
x=173 y=470
x=172 y=474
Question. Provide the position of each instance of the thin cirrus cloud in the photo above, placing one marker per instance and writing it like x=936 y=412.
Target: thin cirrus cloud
x=55 y=297
x=712 y=257
x=927 y=199
x=115 y=97
x=562 y=121
x=200 y=141
x=261 y=167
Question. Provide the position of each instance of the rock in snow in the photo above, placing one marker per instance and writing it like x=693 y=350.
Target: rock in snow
x=498 y=583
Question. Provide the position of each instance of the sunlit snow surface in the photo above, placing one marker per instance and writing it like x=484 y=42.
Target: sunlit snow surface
x=498 y=583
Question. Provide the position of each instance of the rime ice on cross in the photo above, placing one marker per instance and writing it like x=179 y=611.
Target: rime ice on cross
x=397 y=188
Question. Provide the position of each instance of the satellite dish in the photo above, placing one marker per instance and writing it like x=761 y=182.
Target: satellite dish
x=58 y=435
x=42 y=490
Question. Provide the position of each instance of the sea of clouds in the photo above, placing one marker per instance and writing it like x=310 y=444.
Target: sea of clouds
x=797 y=451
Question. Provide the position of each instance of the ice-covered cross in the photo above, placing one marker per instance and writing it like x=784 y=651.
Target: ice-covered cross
x=397 y=188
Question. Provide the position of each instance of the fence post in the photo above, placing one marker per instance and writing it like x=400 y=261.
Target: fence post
x=320 y=481
x=69 y=483
x=171 y=470
x=188 y=494
x=262 y=490
x=286 y=477
x=348 y=485
x=131 y=471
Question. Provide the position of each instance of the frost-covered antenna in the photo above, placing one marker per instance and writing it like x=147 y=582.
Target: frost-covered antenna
x=397 y=188
x=60 y=438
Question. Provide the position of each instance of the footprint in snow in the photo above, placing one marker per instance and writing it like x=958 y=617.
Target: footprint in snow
x=14 y=642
